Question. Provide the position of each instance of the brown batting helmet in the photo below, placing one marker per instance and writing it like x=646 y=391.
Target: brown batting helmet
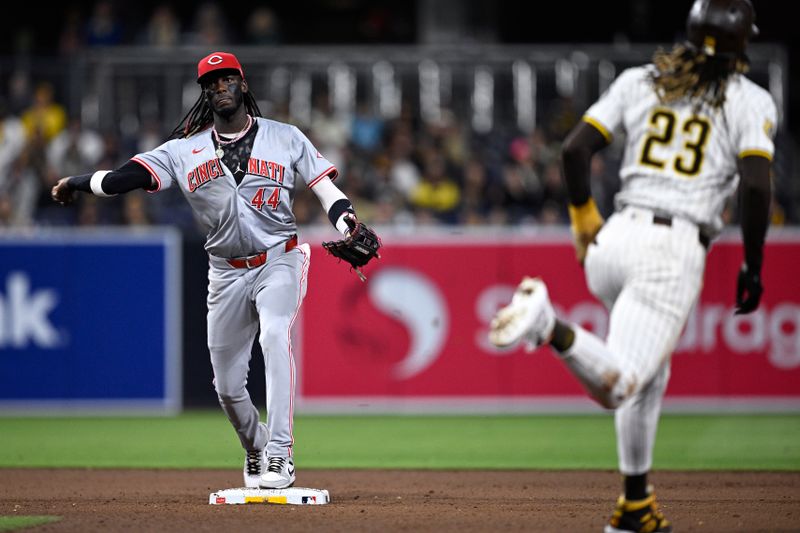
x=721 y=27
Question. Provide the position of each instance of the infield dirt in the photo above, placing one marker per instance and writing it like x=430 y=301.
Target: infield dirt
x=396 y=500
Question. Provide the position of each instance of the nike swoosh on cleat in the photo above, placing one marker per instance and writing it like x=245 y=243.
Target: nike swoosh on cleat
x=198 y=151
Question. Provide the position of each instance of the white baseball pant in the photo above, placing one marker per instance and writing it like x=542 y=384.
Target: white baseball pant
x=649 y=276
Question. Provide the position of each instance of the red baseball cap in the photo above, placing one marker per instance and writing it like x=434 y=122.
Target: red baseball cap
x=218 y=61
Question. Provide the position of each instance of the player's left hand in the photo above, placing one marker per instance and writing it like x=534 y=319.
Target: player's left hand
x=748 y=291
x=62 y=192
x=358 y=248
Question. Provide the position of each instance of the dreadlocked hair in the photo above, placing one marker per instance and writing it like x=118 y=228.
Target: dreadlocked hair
x=200 y=116
x=686 y=72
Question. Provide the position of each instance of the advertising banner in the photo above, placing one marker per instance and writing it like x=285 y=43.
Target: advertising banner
x=90 y=321
x=414 y=336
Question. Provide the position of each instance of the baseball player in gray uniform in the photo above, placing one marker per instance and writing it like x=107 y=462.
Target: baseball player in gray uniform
x=695 y=128
x=240 y=172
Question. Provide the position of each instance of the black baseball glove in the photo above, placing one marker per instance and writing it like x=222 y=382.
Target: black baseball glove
x=358 y=248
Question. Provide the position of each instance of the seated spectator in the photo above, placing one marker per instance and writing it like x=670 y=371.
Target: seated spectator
x=404 y=174
x=210 y=26
x=73 y=33
x=448 y=133
x=542 y=149
x=12 y=142
x=551 y=214
x=75 y=149
x=367 y=128
x=20 y=92
x=329 y=133
x=32 y=179
x=45 y=117
x=437 y=195
x=554 y=195
x=104 y=28
x=475 y=200
x=262 y=27
x=163 y=30
x=521 y=181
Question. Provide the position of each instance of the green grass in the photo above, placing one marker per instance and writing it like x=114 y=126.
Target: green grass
x=205 y=440
x=10 y=523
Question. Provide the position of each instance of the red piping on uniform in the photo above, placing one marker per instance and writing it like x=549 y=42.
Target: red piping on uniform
x=150 y=170
x=303 y=275
x=332 y=169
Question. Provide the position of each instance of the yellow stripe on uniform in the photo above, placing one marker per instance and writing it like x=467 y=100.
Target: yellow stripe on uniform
x=599 y=127
x=756 y=153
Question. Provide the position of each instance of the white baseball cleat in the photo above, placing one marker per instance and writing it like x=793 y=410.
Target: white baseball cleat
x=279 y=473
x=529 y=317
x=254 y=467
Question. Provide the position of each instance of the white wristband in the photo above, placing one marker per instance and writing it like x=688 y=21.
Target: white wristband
x=341 y=225
x=96 y=183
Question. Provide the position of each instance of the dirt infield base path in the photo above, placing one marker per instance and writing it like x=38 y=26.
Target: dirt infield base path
x=392 y=500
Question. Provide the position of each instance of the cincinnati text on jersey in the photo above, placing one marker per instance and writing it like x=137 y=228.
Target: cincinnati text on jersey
x=204 y=173
x=212 y=169
x=266 y=169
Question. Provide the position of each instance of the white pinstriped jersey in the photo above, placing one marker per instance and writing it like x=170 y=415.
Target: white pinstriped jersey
x=255 y=215
x=677 y=161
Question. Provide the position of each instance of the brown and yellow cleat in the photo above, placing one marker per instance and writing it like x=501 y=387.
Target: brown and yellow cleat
x=641 y=516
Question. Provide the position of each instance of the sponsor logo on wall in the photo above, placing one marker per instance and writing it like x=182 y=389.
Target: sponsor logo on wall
x=25 y=314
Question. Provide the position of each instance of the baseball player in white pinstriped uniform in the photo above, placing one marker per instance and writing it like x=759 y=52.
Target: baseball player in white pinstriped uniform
x=696 y=129
x=239 y=172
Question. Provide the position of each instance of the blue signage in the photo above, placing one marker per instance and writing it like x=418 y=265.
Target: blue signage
x=90 y=321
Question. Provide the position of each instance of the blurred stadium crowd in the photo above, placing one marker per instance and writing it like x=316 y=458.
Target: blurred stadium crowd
x=401 y=171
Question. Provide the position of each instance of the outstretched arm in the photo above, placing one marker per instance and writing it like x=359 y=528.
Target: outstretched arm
x=126 y=178
x=755 y=194
x=576 y=156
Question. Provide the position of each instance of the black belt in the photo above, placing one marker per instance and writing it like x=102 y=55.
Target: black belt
x=667 y=221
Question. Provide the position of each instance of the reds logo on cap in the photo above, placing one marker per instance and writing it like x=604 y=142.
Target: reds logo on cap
x=218 y=61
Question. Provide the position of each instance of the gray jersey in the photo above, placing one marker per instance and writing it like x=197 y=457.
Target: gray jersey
x=255 y=215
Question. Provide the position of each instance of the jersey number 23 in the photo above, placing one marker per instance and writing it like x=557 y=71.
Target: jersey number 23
x=666 y=128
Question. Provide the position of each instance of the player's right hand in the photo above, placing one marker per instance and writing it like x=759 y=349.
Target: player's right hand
x=62 y=192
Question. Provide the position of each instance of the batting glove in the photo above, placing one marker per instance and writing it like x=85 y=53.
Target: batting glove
x=748 y=291
x=586 y=223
